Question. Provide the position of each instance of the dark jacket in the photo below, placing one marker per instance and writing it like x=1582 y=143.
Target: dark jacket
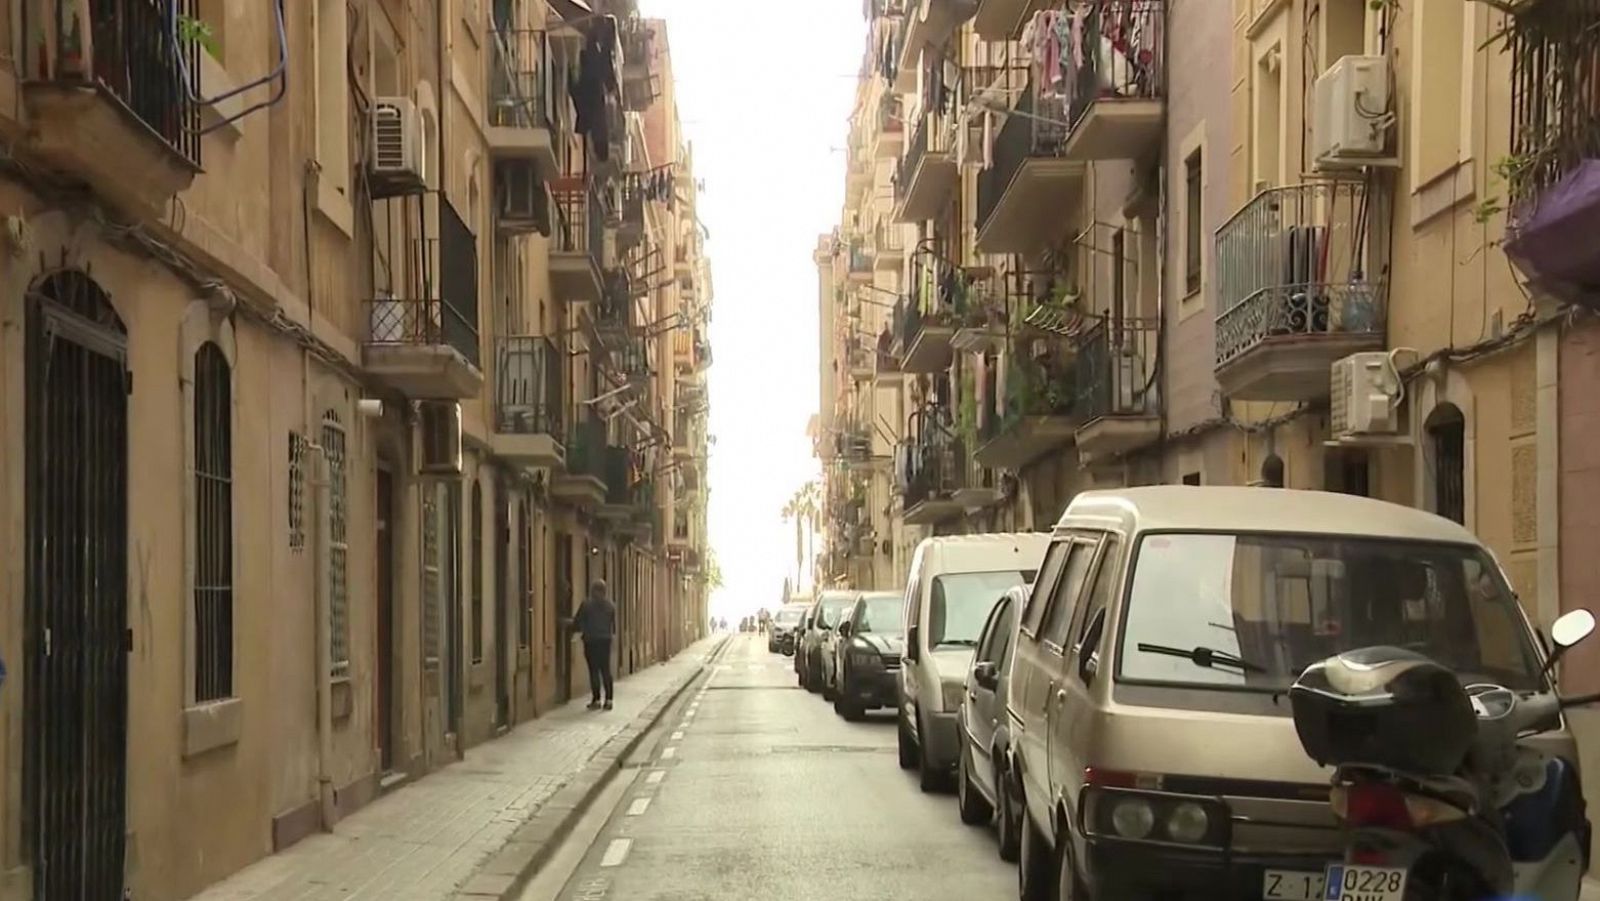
x=596 y=618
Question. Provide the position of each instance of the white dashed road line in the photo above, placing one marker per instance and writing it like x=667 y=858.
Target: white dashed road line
x=616 y=852
x=678 y=735
x=639 y=805
x=669 y=753
x=655 y=777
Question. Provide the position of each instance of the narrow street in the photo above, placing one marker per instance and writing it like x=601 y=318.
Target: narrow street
x=758 y=790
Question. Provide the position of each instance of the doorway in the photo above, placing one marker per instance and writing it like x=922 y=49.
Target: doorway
x=452 y=661
x=383 y=687
x=559 y=611
x=76 y=636
x=502 y=619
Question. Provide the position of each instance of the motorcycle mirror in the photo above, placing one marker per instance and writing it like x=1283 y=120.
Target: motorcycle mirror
x=1571 y=628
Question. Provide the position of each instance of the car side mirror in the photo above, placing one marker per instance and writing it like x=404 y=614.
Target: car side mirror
x=987 y=675
x=1566 y=632
x=912 y=644
x=844 y=630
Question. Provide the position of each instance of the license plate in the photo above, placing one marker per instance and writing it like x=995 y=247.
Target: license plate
x=1354 y=883
x=1291 y=885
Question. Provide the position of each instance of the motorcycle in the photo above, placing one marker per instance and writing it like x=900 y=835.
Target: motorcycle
x=1443 y=789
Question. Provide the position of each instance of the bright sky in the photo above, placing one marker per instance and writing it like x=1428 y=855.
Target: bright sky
x=764 y=91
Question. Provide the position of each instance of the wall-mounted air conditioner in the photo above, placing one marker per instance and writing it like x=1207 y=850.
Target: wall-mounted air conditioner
x=1353 y=120
x=1364 y=398
x=396 y=159
x=438 y=438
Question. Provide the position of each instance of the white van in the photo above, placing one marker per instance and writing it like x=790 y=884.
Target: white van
x=955 y=581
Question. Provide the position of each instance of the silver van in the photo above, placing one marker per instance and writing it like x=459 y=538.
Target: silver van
x=954 y=582
x=1153 y=748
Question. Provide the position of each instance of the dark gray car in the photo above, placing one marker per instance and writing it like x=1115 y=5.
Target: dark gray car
x=825 y=615
x=983 y=736
x=867 y=654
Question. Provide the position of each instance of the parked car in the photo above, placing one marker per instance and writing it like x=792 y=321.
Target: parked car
x=828 y=651
x=867 y=654
x=825 y=614
x=954 y=583
x=1152 y=744
x=784 y=624
x=983 y=736
x=800 y=630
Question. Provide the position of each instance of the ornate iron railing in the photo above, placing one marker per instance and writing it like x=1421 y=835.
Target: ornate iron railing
x=1555 y=93
x=1300 y=260
x=1116 y=368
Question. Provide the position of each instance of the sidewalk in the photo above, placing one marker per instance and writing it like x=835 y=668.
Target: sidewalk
x=476 y=828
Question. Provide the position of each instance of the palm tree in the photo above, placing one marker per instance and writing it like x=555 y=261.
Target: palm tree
x=804 y=508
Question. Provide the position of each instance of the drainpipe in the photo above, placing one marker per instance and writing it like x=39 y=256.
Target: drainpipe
x=324 y=655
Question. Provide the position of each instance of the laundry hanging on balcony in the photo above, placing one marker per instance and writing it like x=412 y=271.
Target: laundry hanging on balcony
x=596 y=80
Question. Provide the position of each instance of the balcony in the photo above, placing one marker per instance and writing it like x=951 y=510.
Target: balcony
x=1039 y=415
x=583 y=484
x=859 y=262
x=929 y=23
x=638 y=60
x=888 y=246
x=890 y=137
x=854 y=447
x=528 y=117
x=1294 y=288
x=579 y=240
x=925 y=322
x=529 y=374
x=1001 y=20
x=1554 y=166
x=927 y=172
x=423 y=342
x=1117 y=111
x=862 y=363
x=111 y=109
x=1118 y=392
x=1029 y=196
x=935 y=469
x=624 y=496
x=630 y=216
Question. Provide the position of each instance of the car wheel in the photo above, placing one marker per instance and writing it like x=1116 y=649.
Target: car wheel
x=908 y=748
x=974 y=810
x=1006 y=817
x=830 y=691
x=1068 y=886
x=929 y=778
x=1036 y=875
x=813 y=677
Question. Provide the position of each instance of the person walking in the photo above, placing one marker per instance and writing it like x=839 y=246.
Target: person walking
x=596 y=621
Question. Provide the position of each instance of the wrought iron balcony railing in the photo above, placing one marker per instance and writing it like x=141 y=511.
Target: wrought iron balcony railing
x=1033 y=388
x=935 y=460
x=1300 y=260
x=523 y=81
x=586 y=455
x=130 y=57
x=530 y=373
x=580 y=221
x=1555 y=94
x=1116 y=369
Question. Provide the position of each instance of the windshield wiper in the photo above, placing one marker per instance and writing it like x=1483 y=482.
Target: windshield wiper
x=1204 y=656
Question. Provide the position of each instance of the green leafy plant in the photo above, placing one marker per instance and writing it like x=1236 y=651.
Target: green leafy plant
x=197 y=31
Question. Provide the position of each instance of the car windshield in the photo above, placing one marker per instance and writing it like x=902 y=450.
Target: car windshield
x=788 y=617
x=883 y=615
x=961 y=605
x=832 y=611
x=1253 y=611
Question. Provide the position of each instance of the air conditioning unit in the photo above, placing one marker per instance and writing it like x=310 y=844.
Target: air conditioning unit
x=1352 y=115
x=397 y=161
x=522 y=205
x=439 y=438
x=1364 y=398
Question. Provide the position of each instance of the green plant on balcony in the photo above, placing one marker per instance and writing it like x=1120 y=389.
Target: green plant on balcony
x=967 y=412
x=192 y=30
x=1036 y=388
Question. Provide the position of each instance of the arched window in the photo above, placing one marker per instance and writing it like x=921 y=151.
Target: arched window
x=1447 y=451
x=476 y=561
x=213 y=525
x=333 y=449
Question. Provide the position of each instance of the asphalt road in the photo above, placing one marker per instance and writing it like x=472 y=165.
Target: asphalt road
x=758 y=790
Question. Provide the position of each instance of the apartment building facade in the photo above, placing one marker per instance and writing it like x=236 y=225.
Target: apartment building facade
x=1334 y=267
x=332 y=376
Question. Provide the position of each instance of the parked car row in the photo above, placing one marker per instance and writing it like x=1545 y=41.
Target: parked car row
x=1115 y=696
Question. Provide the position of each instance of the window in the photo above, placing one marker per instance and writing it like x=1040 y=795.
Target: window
x=1280 y=602
x=1193 y=220
x=213 y=525
x=1100 y=592
x=431 y=581
x=961 y=604
x=1191 y=478
x=1039 y=598
x=333 y=449
x=998 y=639
x=297 y=492
x=476 y=561
x=1064 y=600
x=1439 y=32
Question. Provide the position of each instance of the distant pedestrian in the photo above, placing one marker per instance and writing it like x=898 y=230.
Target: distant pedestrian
x=596 y=621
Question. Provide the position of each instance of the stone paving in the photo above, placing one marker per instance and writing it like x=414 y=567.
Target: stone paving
x=434 y=838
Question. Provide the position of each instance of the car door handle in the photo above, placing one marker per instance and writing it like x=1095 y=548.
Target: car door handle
x=1061 y=696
